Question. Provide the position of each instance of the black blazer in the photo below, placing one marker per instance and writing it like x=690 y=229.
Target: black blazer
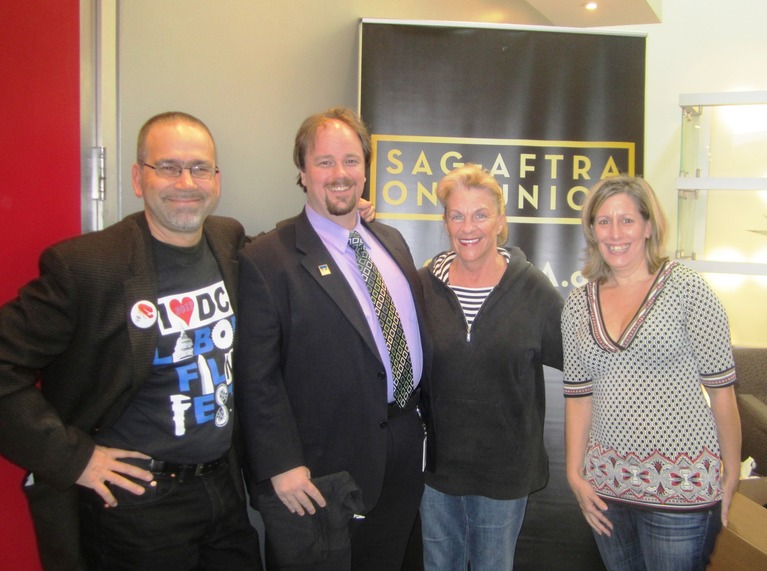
x=73 y=325
x=311 y=386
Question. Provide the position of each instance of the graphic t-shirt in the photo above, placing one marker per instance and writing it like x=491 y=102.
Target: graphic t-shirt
x=183 y=412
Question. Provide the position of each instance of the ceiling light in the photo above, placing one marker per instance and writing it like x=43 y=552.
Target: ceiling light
x=590 y=5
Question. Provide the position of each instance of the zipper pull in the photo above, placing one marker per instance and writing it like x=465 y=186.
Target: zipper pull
x=468 y=333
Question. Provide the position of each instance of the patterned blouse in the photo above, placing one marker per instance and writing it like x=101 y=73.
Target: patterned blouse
x=653 y=439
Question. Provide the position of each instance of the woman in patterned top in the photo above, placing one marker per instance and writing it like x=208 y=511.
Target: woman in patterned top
x=653 y=466
x=494 y=320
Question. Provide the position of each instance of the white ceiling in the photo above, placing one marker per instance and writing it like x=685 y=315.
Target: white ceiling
x=571 y=13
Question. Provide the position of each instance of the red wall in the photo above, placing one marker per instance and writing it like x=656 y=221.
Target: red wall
x=39 y=185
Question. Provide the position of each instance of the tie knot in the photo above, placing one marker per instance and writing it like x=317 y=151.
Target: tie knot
x=355 y=240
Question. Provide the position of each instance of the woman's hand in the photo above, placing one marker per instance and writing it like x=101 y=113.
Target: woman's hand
x=725 y=408
x=367 y=210
x=577 y=426
x=592 y=506
x=729 y=487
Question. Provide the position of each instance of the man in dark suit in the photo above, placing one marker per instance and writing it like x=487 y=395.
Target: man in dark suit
x=131 y=330
x=317 y=385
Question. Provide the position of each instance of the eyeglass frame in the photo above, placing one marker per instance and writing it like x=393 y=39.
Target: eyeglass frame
x=182 y=168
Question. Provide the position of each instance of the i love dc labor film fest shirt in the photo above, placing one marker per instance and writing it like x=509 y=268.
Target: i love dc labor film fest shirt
x=183 y=412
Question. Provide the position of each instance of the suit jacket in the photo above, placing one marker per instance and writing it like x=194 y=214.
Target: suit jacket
x=73 y=326
x=312 y=386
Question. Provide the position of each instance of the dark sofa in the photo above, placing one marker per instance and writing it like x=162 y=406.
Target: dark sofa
x=751 y=389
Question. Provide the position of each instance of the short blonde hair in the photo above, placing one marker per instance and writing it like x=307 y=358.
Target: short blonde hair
x=596 y=269
x=471 y=176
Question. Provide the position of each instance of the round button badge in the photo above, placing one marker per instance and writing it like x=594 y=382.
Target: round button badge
x=143 y=314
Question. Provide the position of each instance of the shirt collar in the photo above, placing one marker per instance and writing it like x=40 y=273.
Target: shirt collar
x=332 y=234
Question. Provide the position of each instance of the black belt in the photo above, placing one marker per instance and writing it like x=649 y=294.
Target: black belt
x=393 y=409
x=183 y=471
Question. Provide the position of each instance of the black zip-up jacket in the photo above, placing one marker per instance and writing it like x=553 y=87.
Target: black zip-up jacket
x=485 y=402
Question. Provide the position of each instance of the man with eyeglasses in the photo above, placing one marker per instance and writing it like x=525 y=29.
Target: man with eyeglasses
x=131 y=331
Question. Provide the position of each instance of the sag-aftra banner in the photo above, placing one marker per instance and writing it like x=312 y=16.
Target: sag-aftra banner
x=548 y=112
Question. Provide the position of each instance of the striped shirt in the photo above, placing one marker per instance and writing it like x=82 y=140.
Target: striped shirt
x=470 y=298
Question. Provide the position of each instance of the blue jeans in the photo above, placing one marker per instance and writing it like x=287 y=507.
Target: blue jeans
x=462 y=529
x=198 y=524
x=658 y=540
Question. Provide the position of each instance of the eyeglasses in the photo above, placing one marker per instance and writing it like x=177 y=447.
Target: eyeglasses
x=174 y=170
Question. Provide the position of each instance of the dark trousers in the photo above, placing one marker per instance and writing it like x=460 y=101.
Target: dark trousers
x=200 y=523
x=380 y=540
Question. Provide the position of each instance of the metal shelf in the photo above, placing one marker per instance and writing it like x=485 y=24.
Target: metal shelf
x=726 y=98
x=721 y=142
x=714 y=183
x=711 y=266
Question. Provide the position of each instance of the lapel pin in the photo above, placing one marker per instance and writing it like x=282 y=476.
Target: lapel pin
x=324 y=270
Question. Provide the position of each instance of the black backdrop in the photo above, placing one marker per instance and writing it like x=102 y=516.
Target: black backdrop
x=549 y=112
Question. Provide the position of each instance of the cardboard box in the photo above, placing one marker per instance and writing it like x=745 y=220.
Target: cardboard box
x=743 y=543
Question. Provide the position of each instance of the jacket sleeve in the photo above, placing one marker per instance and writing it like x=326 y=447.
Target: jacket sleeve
x=552 y=332
x=35 y=329
x=272 y=441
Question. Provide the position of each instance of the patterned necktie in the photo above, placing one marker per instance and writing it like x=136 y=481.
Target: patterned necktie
x=399 y=354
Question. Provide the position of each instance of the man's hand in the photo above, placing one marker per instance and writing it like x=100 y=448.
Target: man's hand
x=367 y=210
x=296 y=490
x=105 y=466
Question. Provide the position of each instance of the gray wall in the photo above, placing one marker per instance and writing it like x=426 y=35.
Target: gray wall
x=253 y=70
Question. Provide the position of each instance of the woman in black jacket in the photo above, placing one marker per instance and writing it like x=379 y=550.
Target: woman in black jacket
x=495 y=321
